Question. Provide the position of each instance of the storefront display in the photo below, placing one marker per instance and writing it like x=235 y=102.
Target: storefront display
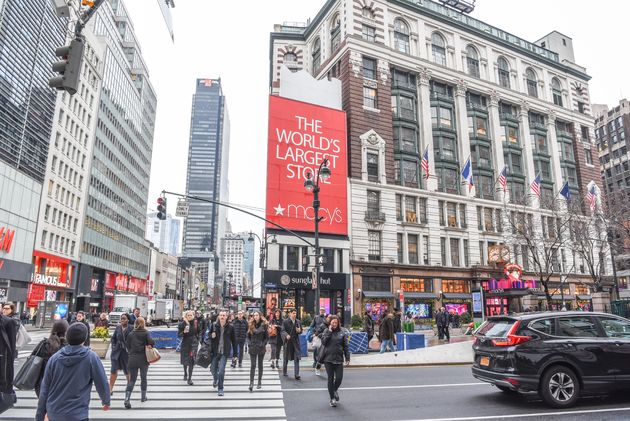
x=457 y=308
x=418 y=310
x=503 y=296
x=376 y=308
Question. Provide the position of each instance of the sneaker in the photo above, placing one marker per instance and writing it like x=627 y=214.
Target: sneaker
x=317 y=372
x=336 y=396
x=297 y=377
x=220 y=392
x=333 y=403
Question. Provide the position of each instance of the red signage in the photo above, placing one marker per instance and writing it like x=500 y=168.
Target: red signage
x=301 y=135
x=6 y=239
x=125 y=284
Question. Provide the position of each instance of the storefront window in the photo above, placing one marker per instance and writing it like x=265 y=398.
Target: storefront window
x=376 y=283
x=416 y=285
x=293 y=258
x=376 y=308
x=581 y=290
x=329 y=262
x=455 y=286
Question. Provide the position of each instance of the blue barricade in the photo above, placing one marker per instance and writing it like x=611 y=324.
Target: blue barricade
x=358 y=343
x=406 y=341
x=303 y=345
x=165 y=338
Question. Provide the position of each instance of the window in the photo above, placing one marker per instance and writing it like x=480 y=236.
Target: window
x=401 y=36
x=293 y=257
x=454 y=243
x=448 y=180
x=369 y=97
x=581 y=107
x=367 y=13
x=316 y=55
x=589 y=156
x=425 y=249
x=458 y=287
x=335 y=33
x=329 y=260
x=472 y=61
x=577 y=327
x=504 y=72
x=406 y=139
x=441 y=209
x=499 y=220
x=369 y=68
x=488 y=220
x=442 y=117
x=532 y=83
x=546 y=326
x=411 y=214
x=615 y=328
x=443 y=250
x=372 y=167
x=43 y=242
x=466 y=254
x=556 y=91
x=462 y=216
x=412 y=248
x=373 y=202
x=375 y=283
x=374 y=245
x=368 y=33
x=438 y=48
x=451 y=214
x=399 y=247
x=399 y=207
x=290 y=58
x=410 y=173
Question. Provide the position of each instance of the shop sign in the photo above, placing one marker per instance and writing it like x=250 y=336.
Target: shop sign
x=303 y=280
x=50 y=280
x=6 y=239
x=300 y=137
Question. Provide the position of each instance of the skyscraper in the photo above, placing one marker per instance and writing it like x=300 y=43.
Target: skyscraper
x=165 y=235
x=29 y=33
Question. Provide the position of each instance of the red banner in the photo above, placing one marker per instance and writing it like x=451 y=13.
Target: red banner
x=301 y=135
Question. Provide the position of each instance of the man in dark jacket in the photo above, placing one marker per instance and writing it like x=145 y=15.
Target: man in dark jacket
x=81 y=319
x=438 y=324
x=387 y=334
x=444 y=321
x=222 y=339
x=240 y=332
x=315 y=325
x=397 y=322
x=67 y=383
x=8 y=354
x=291 y=329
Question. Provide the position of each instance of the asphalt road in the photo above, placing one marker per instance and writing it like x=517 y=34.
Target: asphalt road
x=430 y=393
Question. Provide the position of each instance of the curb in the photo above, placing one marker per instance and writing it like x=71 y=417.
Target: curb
x=409 y=365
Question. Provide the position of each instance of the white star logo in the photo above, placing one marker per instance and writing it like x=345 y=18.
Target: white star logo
x=279 y=210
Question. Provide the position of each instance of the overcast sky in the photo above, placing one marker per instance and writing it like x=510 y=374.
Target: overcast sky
x=230 y=39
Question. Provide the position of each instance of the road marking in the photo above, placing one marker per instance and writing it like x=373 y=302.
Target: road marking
x=538 y=414
x=413 y=386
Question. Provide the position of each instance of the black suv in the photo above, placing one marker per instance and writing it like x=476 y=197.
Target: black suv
x=560 y=355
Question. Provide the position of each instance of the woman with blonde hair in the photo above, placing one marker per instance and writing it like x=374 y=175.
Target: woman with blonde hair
x=257 y=336
x=190 y=330
x=137 y=341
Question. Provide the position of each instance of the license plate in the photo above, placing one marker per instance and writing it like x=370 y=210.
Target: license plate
x=484 y=361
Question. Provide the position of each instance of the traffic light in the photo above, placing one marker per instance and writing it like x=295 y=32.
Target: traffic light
x=161 y=208
x=69 y=67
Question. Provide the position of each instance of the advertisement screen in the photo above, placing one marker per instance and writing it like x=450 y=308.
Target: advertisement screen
x=271 y=303
x=375 y=309
x=418 y=311
x=300 y=137
x=61 y=311
x=456 y=308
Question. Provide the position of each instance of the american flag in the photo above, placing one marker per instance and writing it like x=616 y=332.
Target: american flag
x=425 y=163
x=535 y=186
x=503 y=179
x=591 y=196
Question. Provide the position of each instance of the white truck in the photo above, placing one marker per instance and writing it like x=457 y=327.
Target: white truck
x=157 y=312
x=173 y=310
x=125 y=303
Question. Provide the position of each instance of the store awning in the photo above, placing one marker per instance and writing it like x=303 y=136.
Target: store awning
x=378 y=294
x=457 y=296
x=559 y=297
x=584 y=297
x=428 y=295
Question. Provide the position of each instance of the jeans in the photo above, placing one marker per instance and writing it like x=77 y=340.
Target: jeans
x=252 y=369
x=237 y=350
x=296 y=362
x=217 y=368
x=134 y=376
x=335 y=376
x=387 y=343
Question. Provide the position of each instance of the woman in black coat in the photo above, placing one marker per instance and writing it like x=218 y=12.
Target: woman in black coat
x=47 y=347
x=190 y=329
x=257 y=336
x=137 y=341
x=119 y=356
x=335 y=343
x=275 y=339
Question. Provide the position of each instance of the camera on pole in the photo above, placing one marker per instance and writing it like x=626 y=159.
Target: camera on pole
x=69 y=67
x=161 y=208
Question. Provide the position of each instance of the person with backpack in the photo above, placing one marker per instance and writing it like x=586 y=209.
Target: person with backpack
x=257 y=336
x=335 y=343
x=49 y=346
x=119 y=356
x=137 y=342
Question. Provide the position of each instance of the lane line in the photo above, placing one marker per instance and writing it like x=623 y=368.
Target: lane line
x=538 y=414
x=414 y=386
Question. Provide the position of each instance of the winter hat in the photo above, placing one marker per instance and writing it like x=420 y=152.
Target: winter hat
x=76 y=334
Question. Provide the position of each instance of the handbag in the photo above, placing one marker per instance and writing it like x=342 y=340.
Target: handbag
x=317 y=342
x=23 y=338
x=152 y=354
x=272 y=331
x=204 y=356
x=31 y=370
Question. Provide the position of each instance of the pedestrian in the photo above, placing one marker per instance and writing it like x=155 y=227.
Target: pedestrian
x=368 y=326
x=335 y=343
x=291 y=329
x=8 y=354
x=438 y=324
x=387 y=334
x=190 y=330
x=119 y=356
x=240 y=332
x=137 y=342
x=34 y=317
x=444 y=320
x=318 y=339
x=102 y=321
x=201 y=322
x=222 y=339
x=317 y=322
x=275 y=338
x=49 y=346
x=81 y=319
x=67 y=384
x=397 y=322
x=257 y=336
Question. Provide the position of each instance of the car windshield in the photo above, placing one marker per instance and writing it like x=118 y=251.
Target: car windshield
x=495 y=328
x=120 y=310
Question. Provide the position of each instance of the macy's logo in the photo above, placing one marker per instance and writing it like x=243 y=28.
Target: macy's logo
x=6 y=239
x=307 y=212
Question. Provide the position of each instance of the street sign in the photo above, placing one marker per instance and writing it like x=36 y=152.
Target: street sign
x=240 y=300
x=182 y=208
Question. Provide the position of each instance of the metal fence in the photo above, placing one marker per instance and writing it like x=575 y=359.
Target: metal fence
x=621 y=308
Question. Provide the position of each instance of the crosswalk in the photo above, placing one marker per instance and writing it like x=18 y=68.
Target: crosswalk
x=170 y=398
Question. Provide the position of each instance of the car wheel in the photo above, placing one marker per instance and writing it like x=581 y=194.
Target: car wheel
x=560 y=387
x=506 y=390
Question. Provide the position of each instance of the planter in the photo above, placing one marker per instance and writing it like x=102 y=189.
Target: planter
x=99 y=346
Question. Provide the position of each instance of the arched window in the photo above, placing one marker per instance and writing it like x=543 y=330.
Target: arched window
x=316 y=55
x=532 y=82
x=504 y=72
x=335 y=33
x=556 y=91
x=438 y=48
x=472 y=61
x=401 y=36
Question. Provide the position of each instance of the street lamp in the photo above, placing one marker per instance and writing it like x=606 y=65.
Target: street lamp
x=323 y=173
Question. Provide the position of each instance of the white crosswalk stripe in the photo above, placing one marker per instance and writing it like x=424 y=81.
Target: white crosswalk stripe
x=170 y=398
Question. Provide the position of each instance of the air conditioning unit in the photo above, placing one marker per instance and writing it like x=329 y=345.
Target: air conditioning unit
x=61 y=8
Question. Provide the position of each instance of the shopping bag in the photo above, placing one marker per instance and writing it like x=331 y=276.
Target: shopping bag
x=153 y=355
